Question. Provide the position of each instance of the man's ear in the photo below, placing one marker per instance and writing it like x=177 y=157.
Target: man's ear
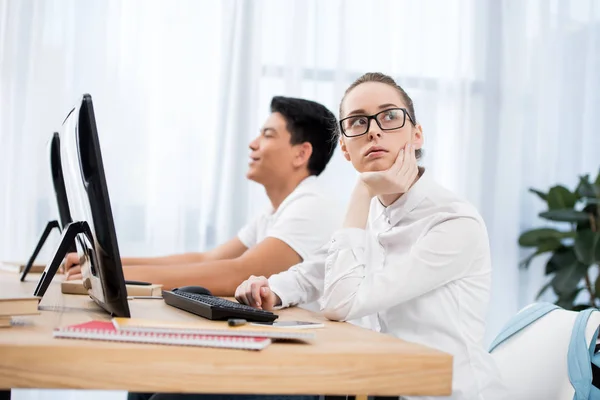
x=303 y=153
x=344 y=149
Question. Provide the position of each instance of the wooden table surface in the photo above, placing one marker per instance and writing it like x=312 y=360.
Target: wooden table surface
x=343 y=359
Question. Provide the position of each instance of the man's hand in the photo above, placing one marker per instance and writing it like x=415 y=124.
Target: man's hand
x=396 y=180
x=255 y=292
x=72 y=267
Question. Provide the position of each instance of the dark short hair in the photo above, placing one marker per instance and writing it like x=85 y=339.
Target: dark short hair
x=308 y=121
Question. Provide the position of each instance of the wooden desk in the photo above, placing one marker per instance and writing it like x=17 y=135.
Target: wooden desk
x=344 y=359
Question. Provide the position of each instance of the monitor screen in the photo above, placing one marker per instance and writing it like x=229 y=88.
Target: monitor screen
x=58 y=181
x=88 y=200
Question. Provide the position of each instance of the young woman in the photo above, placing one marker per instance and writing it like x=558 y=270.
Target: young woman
x=412 y=258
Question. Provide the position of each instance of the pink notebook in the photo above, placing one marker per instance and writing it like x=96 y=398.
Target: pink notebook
x=105 y=330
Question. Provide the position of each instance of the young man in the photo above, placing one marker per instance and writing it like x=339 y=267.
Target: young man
x=293 y=147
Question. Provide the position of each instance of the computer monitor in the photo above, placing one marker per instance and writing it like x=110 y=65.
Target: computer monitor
x=89 y=205
x=58 y=182
x=62 y=202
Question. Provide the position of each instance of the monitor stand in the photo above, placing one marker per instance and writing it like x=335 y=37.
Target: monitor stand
x=49 y=227
x=66 y=244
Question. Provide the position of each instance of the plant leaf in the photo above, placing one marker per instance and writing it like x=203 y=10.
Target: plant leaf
x=581 y=307
x=535 y=237
x=567 y=279
x=544 y=247
x=585 y=244
x=559 y=197
x=591 y=210
x=565 y=215
x=527 y=260
x=543 y=289
x=567 y=304
x=585 y=187
x=567 y=300
x=541 y=195
x=597 y=185
x=562 y=258
x=597 y=286
x=597 y=247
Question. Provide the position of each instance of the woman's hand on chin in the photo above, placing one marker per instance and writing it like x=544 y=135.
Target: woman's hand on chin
x=398 y=178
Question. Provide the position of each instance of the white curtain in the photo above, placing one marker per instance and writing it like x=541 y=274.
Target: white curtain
x=152 y=69
x=508 y=93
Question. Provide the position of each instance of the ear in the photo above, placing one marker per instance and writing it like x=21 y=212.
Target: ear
x=417 y=136
x=303 y=153
x=344 y=148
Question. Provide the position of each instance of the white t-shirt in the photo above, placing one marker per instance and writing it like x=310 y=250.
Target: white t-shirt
x=305 y=220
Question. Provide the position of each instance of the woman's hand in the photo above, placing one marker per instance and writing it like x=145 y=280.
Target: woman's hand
x=255 y=292
x=398 y=178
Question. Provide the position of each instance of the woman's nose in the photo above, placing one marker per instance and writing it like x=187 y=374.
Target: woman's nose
x=374 y=130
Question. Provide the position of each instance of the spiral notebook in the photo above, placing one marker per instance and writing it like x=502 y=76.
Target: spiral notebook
x=191 y=328
x=105 y=330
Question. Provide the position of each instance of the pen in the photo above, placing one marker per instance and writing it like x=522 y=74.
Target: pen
x=143 y=297
x=236 y=322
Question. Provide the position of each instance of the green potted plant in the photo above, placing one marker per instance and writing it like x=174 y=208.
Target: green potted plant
x=573 y=239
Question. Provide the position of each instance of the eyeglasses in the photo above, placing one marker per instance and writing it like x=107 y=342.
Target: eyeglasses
x=387 y=120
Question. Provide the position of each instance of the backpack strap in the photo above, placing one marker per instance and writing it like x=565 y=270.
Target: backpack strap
x=580 y=356
x=526 y=317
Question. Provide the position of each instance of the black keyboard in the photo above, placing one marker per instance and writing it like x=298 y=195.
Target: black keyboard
x=215 y=308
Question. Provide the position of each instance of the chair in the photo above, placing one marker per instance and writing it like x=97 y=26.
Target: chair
x=537 y=359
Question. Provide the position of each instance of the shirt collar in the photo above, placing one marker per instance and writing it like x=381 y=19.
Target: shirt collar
x=309 y=180
x=306 y=181
x=405 y=204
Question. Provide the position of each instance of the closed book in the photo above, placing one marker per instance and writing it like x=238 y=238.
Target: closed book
x=76 y=287
x=106 y=331
x=150 y=325
x=18 y=267
x=10 y=306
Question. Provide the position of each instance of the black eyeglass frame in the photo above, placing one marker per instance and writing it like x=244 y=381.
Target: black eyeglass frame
x=374 y=117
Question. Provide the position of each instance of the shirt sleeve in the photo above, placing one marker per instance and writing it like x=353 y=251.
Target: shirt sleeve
x=445 y=253
x=306 y=224
x=248 y=235
x=302 y=283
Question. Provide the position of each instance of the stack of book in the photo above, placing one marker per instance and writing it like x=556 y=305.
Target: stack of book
x=16 y=306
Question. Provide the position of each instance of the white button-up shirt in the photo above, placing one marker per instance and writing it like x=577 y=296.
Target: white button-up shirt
x=420 y=271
